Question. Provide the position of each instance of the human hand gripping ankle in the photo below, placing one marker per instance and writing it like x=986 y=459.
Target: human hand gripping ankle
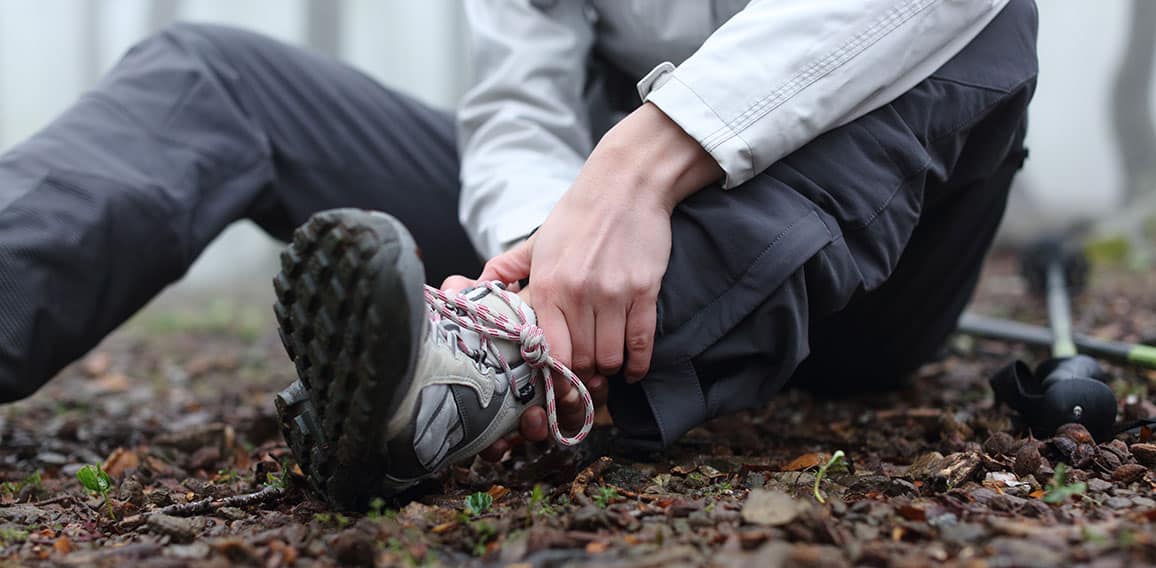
x=596 y=264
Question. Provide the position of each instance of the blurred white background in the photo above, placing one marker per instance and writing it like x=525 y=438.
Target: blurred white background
x=51 y=50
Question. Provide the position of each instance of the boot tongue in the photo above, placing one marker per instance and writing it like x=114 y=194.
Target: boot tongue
x=510 y=350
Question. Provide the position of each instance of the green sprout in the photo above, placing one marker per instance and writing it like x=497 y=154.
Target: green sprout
x=605 y=496
x=95 y=480
x=1059 y=489
x=14 y=488
x=378 y=510
x=836 y=463
x=539 y=504
x=478 y=503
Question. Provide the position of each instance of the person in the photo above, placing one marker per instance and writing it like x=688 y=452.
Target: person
x=800 y=191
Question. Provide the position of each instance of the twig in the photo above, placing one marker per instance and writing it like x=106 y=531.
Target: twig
x=53 y=500
x=270 y=493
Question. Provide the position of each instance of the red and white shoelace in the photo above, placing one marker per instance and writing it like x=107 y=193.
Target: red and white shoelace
x=532 y=341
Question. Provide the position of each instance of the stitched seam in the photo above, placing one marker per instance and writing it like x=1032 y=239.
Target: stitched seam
x=819 y=69
x=739 y=277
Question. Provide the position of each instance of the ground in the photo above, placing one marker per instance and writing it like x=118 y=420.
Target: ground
x=177 y=408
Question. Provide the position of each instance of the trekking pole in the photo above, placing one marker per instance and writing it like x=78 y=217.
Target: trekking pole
x=1073 y=387
x=1037 y=335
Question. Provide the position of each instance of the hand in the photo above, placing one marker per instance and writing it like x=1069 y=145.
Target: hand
x=597 y=262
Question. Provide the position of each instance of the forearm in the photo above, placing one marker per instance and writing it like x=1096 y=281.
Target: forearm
x=654 y=159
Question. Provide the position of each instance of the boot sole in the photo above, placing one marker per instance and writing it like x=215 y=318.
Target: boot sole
x=351 y=310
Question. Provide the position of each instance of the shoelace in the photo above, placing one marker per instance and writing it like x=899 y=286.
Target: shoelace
x=530 y=338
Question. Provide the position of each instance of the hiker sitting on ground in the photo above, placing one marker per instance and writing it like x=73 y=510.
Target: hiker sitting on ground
x=705 y=201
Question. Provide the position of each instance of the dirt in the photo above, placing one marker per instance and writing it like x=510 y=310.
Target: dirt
x=177 y=408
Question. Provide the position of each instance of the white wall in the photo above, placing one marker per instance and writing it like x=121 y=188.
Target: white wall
x=1072 y=171
x=416 y=46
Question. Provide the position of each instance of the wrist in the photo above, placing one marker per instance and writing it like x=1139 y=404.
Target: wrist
x=662 y=163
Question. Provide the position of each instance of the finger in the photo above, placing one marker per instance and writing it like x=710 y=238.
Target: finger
x=640 y=324
x=599 y=389
x=456 y=283
x=581 y=326
x=496 y=451
x=571 y=411
x=553 y=325
x=533 y=424
x=608 y=339
x=509 y=267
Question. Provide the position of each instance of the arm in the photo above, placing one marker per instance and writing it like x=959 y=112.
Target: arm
x=782 y=72
x=522 y=127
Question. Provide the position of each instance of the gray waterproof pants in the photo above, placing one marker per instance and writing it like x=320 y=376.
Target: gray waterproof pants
x=865 y=244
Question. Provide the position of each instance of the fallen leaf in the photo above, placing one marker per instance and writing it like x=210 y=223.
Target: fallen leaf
x=111 y=383
x=62 y=545
x=806 y=461
x=497 y=492
x=597 y=547
x=96 y=364
x=444 y=527
x=120 y=460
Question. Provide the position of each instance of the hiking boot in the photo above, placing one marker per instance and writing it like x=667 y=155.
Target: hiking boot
x=397 y=380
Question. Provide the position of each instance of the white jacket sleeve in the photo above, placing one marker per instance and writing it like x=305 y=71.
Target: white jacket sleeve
x=781 y=72
x=522 y=127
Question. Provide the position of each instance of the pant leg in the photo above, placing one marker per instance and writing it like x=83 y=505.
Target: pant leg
x=758 y=271
x=197 y=127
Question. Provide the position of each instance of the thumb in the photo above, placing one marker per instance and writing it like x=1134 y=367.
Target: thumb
x=510 y=266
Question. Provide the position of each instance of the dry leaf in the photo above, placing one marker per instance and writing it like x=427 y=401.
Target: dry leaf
x=444 y=527
x=807 y=461
x=62 y=545
x=96 y=364
x=597 y=547
x=120 y=460
x=497 y=492
x=111 y=383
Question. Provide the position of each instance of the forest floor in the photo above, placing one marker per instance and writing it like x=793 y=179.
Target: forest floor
x=177 y=409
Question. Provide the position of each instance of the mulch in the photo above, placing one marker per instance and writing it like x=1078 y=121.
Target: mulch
x=181 y=417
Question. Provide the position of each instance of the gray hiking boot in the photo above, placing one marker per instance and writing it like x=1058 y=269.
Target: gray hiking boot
x=397 y=381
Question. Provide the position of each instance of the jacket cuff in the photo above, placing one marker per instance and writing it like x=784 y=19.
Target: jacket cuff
x=690 y=111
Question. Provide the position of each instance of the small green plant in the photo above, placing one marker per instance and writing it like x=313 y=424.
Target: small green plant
x=835 y=464
x=12 y=535
x=14 y=488
x=276 y=479
x=1059 y=489
x=336 y=519
x=605 y=496
x=95 y=480
x=478 y=503
x=540 y=503
x=483 y=533
x=379 y=511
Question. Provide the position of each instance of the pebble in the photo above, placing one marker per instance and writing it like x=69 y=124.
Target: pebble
x=1145 y=454
x=1144 y=502
x=180 y=529
x=772 y=508
x=1118 y=502
x=1097 y=485
x=1024 y=553
x=1128 y=473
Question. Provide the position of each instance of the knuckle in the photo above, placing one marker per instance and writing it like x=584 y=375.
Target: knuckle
x=638 y=342
x=641 y=288
x=583 y=362
x=610 y=362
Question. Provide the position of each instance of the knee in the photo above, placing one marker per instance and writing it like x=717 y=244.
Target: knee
x=205 y=42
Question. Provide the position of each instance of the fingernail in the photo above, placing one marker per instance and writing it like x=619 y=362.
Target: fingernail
x=595 y=383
